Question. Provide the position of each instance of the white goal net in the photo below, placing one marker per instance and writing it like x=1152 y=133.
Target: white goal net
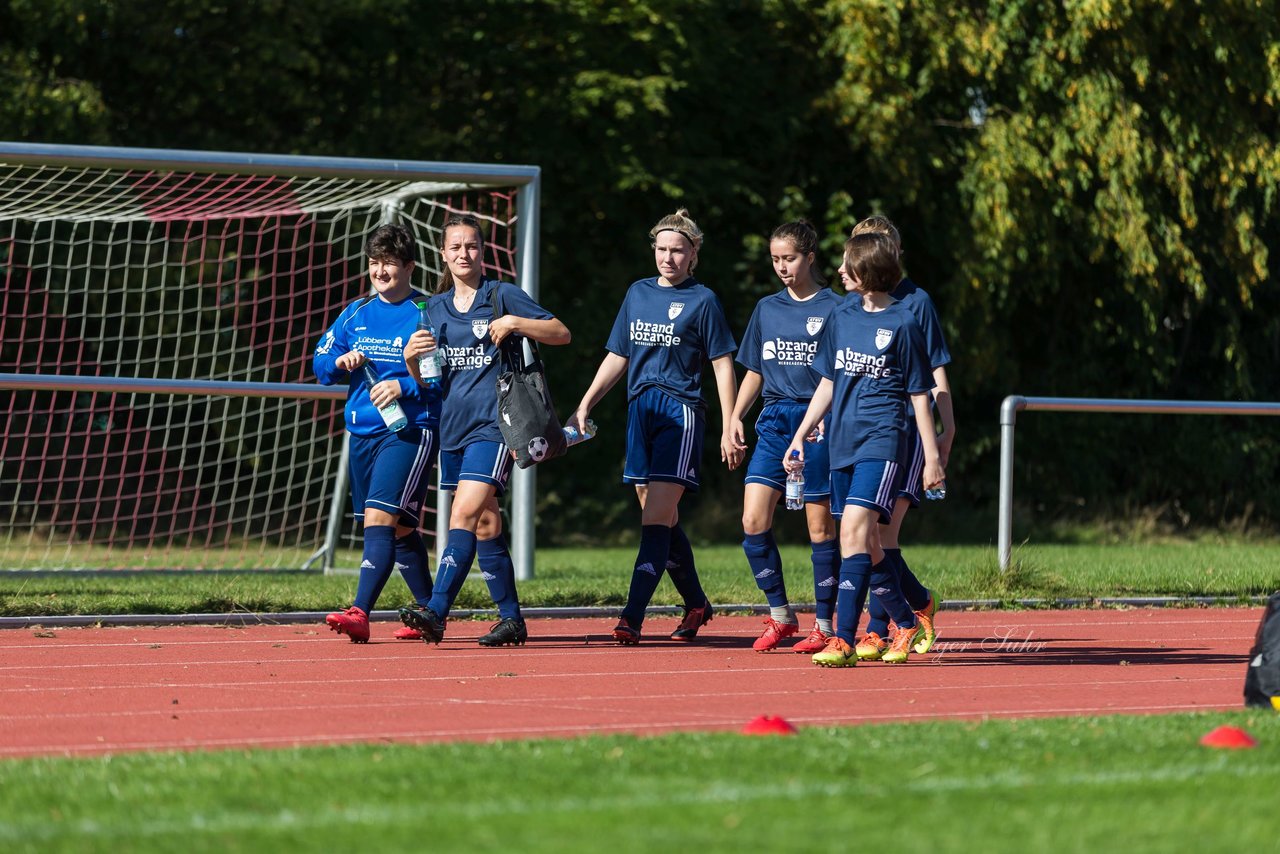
x=193 y=266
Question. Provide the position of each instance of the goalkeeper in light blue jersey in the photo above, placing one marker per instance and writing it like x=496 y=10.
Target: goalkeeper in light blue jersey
x=389 y=469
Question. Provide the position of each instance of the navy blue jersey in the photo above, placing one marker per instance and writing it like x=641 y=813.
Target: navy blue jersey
x=379 y=329
x=875 y=360
x=472 y=365
x=917 y=300
x=668 y=334
x=781 y=341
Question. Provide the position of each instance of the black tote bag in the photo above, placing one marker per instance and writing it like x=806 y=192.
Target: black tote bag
x=526 y=415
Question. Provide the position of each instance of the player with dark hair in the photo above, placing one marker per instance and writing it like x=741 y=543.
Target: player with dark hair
x=668 y=326
x=475 y=463
x=872 y=361
x=778 y=350
x=389 y=469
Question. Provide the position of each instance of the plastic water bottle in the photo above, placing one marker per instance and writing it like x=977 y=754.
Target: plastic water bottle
x=429 y=363
x=572 y=436
x=392 y=415
x=938 y=493
x=795 y=485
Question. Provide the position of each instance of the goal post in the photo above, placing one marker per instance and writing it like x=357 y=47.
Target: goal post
x=217 y=267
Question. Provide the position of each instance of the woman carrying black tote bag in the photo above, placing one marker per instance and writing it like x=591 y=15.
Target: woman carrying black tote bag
x=526 y=414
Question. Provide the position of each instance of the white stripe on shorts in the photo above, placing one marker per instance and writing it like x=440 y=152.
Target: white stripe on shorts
x=887 y=492
x=500 y=462
x=686 y=442
x=421 y=463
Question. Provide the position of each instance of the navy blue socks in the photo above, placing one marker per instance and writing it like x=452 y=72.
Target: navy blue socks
x=885 y=589
x=651 y=562
x=855 y=574
x=412 y=560
x=683 y=571
x=766 y=565
x=455 y=563
x=826 y=570
x=376 y=566
x=500 y=574
x=917 y=595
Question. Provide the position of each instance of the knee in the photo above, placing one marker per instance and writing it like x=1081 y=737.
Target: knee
x=754 y=522
x=489 y=526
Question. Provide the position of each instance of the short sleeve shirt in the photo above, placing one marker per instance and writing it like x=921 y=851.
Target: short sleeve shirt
x=781 y=341
x=469 y=381
x=668 y=334
x=875 y=361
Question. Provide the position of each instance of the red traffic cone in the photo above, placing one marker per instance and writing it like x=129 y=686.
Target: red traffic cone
x=1230 y=737
x=768 y=725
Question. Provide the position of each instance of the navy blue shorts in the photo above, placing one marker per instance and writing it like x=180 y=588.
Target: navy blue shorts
x=391 y=472
x=912 y=486
x=486 y=462
x=775 y=428
x=867 y=483
x=664 y=440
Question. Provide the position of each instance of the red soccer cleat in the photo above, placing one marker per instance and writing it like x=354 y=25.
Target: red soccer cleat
x=353 y=622
x=774 y=632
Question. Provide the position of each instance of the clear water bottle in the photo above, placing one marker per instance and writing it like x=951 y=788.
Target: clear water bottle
x=938 y=493
x=392 y=415
x=430 y=362
x=572 y=436
x=795 y=485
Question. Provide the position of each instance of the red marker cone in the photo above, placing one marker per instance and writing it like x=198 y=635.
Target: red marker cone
x=768 y=725
x=1230 y=737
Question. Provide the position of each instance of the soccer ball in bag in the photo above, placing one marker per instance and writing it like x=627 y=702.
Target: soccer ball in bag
x=538 y=448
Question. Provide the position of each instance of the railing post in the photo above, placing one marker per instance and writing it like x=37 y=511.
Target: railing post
x=1008 y=418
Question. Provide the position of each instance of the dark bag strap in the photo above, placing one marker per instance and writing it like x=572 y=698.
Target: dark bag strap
x=511 y=350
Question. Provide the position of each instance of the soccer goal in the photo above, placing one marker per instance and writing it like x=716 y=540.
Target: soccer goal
x=159 y=314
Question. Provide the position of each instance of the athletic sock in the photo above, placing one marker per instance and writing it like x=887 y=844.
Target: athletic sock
x=826 y=568
x=884 y=587
x=651 y=562
x=766 y=565
x=683 y=570
x=826 y=626
x=500 y=574
x=877 y=617
x=785 y=614
x=376 y=566
x=855 y=572
x=455 y=563
x=916 y=594
x=412 y=561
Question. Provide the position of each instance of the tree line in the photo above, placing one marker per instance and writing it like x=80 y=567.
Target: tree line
x=1087 y=190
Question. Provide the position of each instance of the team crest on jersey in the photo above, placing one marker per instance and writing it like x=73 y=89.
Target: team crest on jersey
x=883 y=337
x=673 y=310
x=479 y=328
x=814 y=325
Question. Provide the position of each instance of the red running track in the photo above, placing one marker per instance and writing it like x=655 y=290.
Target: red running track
x=106 y=690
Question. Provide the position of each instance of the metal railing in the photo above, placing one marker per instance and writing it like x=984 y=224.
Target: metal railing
x=1013 y=404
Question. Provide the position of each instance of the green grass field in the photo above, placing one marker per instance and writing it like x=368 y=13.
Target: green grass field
x=1070 y=784
x=598 y=576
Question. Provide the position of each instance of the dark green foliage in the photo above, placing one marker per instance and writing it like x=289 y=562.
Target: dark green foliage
x=1088 y=192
